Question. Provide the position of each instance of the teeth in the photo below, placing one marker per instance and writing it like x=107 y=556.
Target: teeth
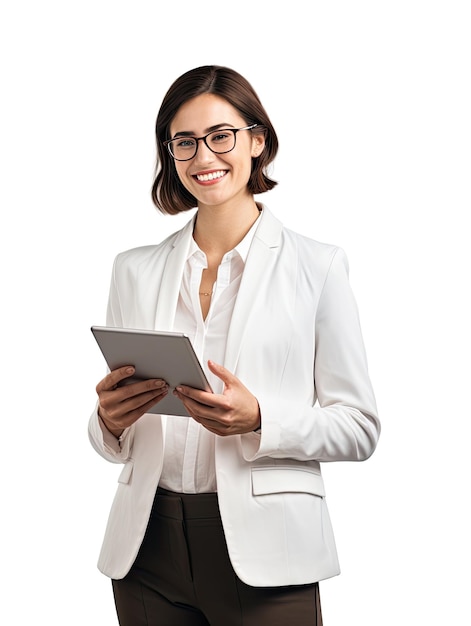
x=210 y=176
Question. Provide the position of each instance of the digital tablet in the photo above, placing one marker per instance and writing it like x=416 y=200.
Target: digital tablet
x=154 y=354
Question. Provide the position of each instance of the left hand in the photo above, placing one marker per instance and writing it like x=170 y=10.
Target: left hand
x=234 y=412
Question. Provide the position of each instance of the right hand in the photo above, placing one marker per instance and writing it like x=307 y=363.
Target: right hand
x=119 y=406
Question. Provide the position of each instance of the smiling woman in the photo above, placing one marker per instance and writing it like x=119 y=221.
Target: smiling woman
x=168 y=192
x=220 y=515
x=219 y=168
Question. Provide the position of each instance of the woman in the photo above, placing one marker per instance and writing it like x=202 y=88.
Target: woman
x=220 y=518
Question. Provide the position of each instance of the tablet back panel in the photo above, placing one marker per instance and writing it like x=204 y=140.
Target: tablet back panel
x=154 y=354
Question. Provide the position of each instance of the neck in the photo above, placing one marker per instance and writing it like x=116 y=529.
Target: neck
x=218 y=229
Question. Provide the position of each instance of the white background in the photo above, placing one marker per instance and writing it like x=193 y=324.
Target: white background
x=371 y=103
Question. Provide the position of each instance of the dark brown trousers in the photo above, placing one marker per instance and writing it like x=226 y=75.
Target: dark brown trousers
x=182 y=576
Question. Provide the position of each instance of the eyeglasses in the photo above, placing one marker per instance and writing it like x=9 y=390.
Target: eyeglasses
x=219 y=142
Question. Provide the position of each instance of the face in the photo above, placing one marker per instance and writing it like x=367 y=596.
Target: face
x=215 y=179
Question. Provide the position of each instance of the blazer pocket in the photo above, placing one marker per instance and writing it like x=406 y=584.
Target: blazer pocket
x=126 y=473
x=279 y=479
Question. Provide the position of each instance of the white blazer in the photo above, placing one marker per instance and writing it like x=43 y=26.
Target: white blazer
x=295 y=342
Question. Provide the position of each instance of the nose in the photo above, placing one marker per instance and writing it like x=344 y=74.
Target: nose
x=203 y=154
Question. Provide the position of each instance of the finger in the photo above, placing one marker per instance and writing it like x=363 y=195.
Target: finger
x=129 y=409
x=221 y=372
x=208 y=416
x=216 y=427
x=132 y=396
x=115 y=421
x=140 y=387
x=144 y=401
x=202 y=398
x=114 y=378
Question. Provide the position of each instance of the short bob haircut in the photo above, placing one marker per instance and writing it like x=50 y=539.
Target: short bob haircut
x=168 y=193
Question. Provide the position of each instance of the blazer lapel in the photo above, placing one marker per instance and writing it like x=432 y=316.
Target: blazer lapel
x=167 y=297
x=262 y=254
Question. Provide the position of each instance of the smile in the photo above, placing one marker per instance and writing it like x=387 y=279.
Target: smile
x=204 y=178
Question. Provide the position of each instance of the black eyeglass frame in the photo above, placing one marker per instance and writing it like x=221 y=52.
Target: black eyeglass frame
x=204 y=138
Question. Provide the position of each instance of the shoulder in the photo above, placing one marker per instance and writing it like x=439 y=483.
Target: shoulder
x=313 y=261
x=276 y=232
x=319 y=263
x=143 y=255
x=297 y=247
x=313 y=251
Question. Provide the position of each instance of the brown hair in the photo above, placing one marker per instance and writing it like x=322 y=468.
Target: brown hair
x=168 y=193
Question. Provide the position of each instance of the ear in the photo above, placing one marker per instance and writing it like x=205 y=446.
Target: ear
x=258 y=144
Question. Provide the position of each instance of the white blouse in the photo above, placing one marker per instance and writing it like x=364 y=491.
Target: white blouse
x=188 y=465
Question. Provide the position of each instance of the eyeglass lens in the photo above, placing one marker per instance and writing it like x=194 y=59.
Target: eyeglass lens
x=220 y=141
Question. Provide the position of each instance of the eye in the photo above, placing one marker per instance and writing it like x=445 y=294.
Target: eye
x=185 y=143
x=220 y=137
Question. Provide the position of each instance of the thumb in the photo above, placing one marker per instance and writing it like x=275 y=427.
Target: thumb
x=221 y=372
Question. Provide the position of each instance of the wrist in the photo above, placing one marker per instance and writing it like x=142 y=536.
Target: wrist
x=116 y=432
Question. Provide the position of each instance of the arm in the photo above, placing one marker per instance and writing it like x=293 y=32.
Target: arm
x=111 y=425
x=343 y=424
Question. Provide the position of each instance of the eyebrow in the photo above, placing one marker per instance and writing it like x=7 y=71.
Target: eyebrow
x=185 y=133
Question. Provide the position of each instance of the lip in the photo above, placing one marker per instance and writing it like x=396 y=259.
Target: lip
x=209 y=177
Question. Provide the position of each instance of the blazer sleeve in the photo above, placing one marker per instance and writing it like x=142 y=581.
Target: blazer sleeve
x=342 y=425
x=105 y=443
